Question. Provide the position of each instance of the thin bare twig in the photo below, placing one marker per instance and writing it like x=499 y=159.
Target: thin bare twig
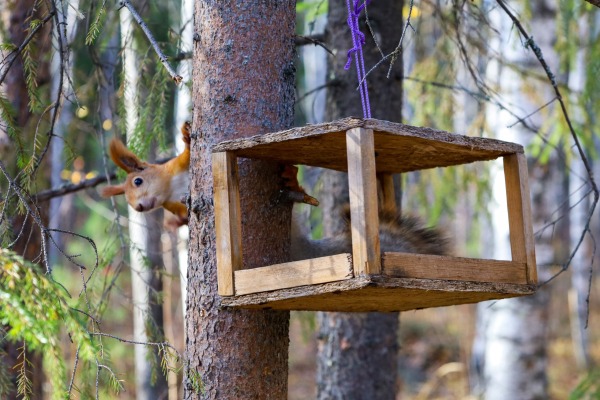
x=529 y=42
x=157 y=344
x=161 y=56
x=317 y=40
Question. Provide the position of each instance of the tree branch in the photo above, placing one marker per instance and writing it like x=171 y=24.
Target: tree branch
x=162 y=57
x=529 y=42
x=317 y=40
x=46 y=195
x=594 y=2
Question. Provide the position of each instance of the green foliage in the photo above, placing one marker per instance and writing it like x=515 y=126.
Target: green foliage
x=35 y=310
x=152 y=123
x=591 y=92
x=195 y=379
x=567 y=34
x=23 y=382
x=588 y=388
x=30 y=67
x=96 y=25
x=7 y=115
x=312 y=8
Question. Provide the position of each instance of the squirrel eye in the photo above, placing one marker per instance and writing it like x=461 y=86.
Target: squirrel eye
x=138 y=181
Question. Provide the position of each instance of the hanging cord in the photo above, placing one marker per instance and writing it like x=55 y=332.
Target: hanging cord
x=358 y=39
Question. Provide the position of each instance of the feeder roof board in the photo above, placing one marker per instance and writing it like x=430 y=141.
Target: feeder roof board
x=398 y=147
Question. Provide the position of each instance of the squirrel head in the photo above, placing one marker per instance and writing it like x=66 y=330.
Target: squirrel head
x=147 y=185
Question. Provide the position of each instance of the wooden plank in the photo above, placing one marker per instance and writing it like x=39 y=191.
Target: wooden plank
x=364 y=217
x=424 y=266
x=400 y=147
x=293 y=274
x=378 y=293
x=519 y=213
x=388 y=194
x=228 y=225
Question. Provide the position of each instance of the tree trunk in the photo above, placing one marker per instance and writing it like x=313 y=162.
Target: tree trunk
x=510 y=349
x=60 y=207
x=243 y=84
x=357 y=352
x=182 y=113
x=145 y=258
x=29 y=243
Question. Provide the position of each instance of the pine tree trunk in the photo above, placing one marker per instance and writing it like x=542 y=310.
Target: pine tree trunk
x=243 y=84
x=29 y=243
x=357 y=353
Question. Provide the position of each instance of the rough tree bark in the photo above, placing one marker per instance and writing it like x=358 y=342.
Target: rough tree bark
x=29 y=243
x=243 y=84
x=357 y=353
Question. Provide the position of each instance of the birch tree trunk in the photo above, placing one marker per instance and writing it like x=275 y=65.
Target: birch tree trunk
x=243 y=84
x=144 y=233
x=183 y=103
x=357 y=352
x=510 y=349
x=581 y=266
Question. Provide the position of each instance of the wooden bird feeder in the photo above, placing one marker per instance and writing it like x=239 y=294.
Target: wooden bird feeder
x=366 y=279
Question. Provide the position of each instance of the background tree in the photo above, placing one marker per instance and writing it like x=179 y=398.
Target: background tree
x=243 y=78
x=358 y=352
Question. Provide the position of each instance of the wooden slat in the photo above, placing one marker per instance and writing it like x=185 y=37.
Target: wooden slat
x=388 y=201
x=400 y=147
x=424 y=266
x=293 y=274
x=228 y=223
x=378 y=293
x=364 y=218
x=519 y=213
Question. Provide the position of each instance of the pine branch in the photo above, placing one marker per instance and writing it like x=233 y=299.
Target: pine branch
x=15 y=53
x=162 y=57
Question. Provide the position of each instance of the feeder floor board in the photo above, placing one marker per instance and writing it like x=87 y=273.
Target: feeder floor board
x=398 y=147
x=378 y=293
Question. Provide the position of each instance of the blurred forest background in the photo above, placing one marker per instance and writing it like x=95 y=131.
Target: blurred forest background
x=92 y=295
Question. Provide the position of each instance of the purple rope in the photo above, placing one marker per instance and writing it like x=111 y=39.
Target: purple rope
x=358 y=39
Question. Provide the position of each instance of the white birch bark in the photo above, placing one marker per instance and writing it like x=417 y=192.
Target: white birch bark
x=581 y=265
x=183 y=104
x=140 y=274
x=510 y=345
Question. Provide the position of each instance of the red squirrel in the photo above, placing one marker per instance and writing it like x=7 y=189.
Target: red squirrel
x=149 y=186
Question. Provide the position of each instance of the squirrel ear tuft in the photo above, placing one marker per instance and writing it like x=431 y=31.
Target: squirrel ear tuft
x=124 y=158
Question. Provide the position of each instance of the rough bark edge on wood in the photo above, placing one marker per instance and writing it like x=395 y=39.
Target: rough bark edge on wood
x=394 y=128
x=368 y=293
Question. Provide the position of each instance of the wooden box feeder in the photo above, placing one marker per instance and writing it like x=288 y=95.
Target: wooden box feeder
x=366 y=279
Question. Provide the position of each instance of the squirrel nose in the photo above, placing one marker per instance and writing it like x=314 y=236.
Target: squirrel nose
x=146 y=204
